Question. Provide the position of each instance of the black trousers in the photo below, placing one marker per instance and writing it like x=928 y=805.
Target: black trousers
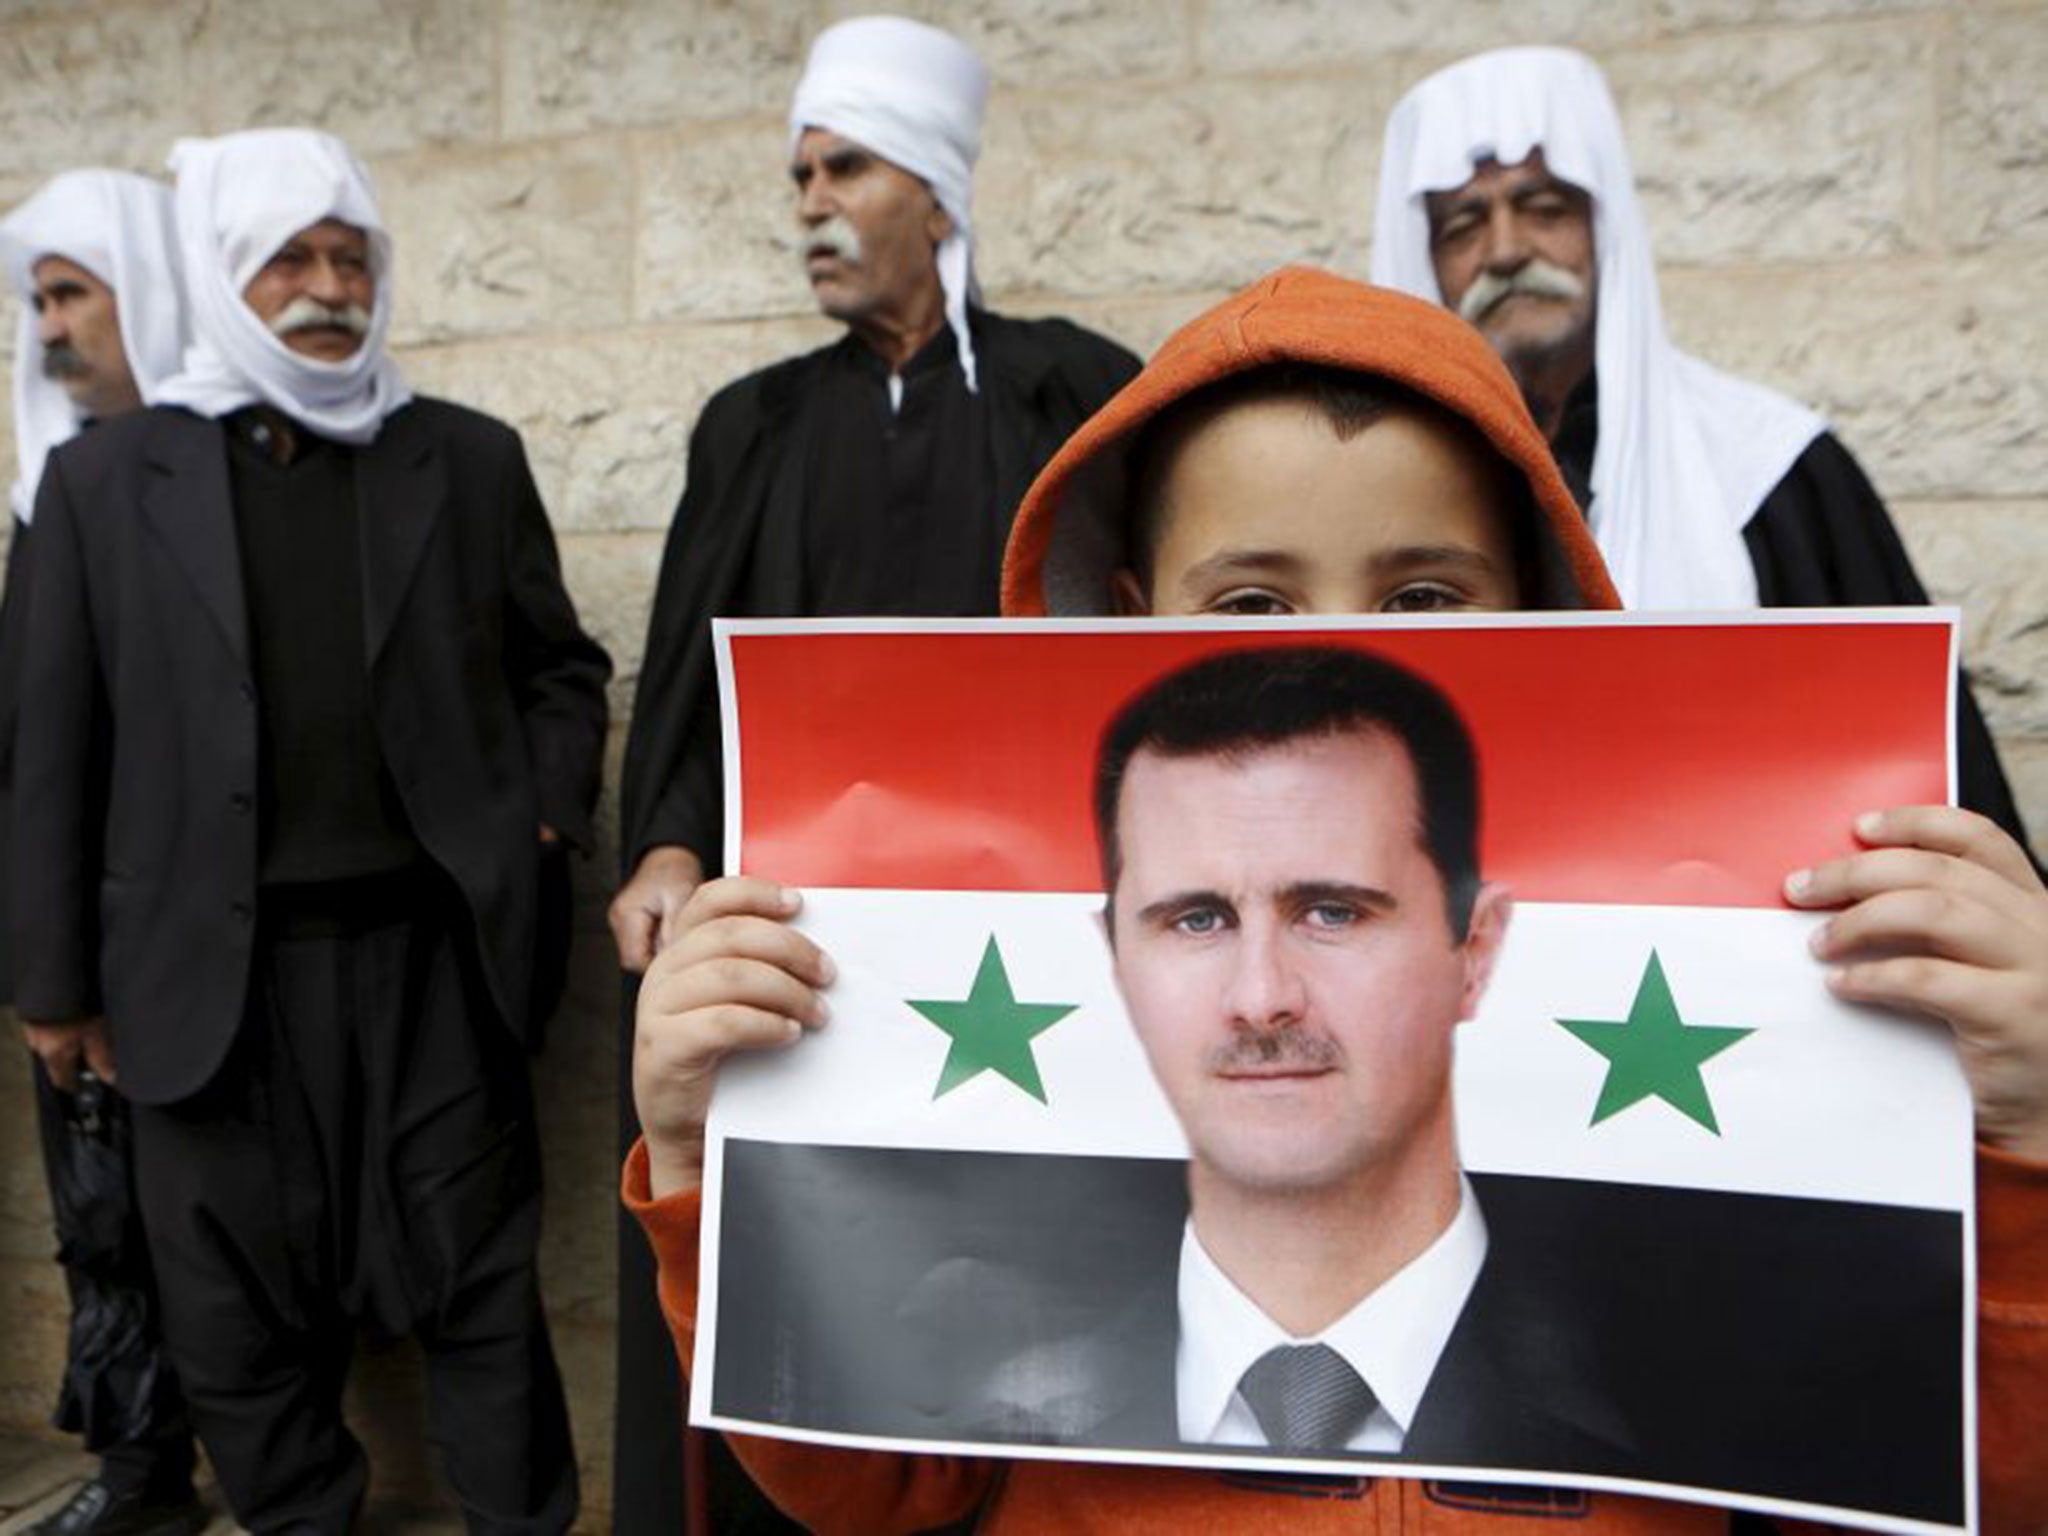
x=119 y=1391
x=366 y=1156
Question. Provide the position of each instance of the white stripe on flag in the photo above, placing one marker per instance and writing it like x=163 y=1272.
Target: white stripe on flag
x=1822 y=1100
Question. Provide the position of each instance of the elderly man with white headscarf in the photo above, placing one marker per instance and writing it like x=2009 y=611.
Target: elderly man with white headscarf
x=309 y=696
x=875 y=476
x=92 y=259
x=1506 y=194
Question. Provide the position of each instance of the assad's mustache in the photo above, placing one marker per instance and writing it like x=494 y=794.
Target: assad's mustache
x=1289 y=1048
x=61 y=361
x=835 y=237
x=309 y=314
x=1537 y=278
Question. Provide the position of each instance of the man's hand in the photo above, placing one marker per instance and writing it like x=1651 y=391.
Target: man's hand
x=1943 y=914
x=63 y=1047
x=643 y=915
x=733 y=976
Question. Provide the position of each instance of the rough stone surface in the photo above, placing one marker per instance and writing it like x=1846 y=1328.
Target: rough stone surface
x=493 y=241
x=606 y=418
x=595 y=228
x=87 y=89
x=1994 y=166
x=571 y=66
x=387 y=75
x=1319 y=34
x=1931 y=369
x=1034 y=42
x=1811 y=149
x=718 y=229
x=1681 y=16
x=1176 y=189
x=1991 y=559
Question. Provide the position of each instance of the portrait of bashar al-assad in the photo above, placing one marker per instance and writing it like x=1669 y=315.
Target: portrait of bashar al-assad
x=1298 y=926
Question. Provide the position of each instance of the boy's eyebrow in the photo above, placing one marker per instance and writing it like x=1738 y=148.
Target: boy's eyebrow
x=1401 y=557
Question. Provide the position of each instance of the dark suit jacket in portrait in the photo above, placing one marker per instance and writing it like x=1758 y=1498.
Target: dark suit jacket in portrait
x=135 y=838
x=1712 y=1340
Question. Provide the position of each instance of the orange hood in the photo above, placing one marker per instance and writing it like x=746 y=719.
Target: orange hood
x=1071 y=531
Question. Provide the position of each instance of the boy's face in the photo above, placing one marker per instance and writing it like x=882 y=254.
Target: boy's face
x=1264 y=510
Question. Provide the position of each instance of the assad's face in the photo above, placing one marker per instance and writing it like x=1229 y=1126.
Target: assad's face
x=1513 y=252
x=870 y=229
x=317 y=291
x=1283 y=949
x=79 y=324
x=1265 y=510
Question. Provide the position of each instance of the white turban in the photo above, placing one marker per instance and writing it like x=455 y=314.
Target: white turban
x=913 y=95
x=1685 y=452
x=240 y=198
x=118 y=227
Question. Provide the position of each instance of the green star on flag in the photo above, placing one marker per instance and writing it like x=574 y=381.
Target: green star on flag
x=991 y=1030
x=1654 y=1053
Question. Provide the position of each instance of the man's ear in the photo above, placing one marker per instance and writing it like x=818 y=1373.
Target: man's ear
x=938 y=223
x=1484 y=936
x=1127 y=596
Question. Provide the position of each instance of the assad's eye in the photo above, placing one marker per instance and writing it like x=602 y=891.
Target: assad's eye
x=1248 y=602
x=1199 y=922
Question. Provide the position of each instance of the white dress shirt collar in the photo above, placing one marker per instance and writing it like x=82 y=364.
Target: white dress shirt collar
x=1393 y=1338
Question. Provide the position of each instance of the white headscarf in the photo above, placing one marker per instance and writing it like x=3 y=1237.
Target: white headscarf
x=118 y=227
x=1685 y=452
x=913 y=95
x=240 y=198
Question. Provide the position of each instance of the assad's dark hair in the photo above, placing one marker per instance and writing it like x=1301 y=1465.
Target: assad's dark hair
x=1247 y=700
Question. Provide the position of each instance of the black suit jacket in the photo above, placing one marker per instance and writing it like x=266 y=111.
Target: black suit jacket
x=749 y=459
x=1521 y=1383
x=135 y=857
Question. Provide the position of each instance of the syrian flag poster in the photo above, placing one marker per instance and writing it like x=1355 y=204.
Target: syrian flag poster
x=1372 y=1048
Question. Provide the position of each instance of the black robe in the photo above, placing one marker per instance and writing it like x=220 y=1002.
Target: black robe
x=1822 y=539
x=737 y=548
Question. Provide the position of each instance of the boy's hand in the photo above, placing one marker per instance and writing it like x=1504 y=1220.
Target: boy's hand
x=1943 y=914
x=733 y=977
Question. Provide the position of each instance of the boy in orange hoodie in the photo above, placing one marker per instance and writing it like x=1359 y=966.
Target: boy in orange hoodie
x=1314 y=446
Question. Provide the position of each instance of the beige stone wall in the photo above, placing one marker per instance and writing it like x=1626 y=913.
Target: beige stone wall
x=1850 y=198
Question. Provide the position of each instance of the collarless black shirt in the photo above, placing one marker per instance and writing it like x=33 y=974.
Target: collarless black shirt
x=326 y=804
x=900 y=516
x=1578 y=436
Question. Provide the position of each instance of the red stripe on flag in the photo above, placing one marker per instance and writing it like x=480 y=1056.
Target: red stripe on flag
x=1639 y=763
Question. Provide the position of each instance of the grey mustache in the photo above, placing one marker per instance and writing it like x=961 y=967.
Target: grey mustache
x=1538 y=279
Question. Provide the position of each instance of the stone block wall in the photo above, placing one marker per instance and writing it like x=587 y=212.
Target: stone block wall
x=1849 y=197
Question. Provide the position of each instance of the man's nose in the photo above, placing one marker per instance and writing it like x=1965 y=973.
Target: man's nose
x=1507 y=241
x=1265 y=986
x=324 y=281
x=51 y=327
x=814 y=203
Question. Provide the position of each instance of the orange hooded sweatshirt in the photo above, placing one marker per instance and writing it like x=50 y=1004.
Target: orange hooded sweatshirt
x=1070 y=534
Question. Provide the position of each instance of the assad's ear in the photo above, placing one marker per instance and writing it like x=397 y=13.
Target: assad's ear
x=1127 y=597
x=1484 y=936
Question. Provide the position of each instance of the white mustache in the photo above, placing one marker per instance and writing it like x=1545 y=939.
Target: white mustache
x=836 y=237
x=1539 y=279
x=306 y=314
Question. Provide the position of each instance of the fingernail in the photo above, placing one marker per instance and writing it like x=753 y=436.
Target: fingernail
x=1817 y=941
x=821 y=1011
x=793 y=1028
x=827 y=971
x=1869 y=823
x=791 y=898
x=1798 y=883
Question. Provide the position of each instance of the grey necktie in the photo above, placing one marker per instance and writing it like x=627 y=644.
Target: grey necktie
x=1306 y=1397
